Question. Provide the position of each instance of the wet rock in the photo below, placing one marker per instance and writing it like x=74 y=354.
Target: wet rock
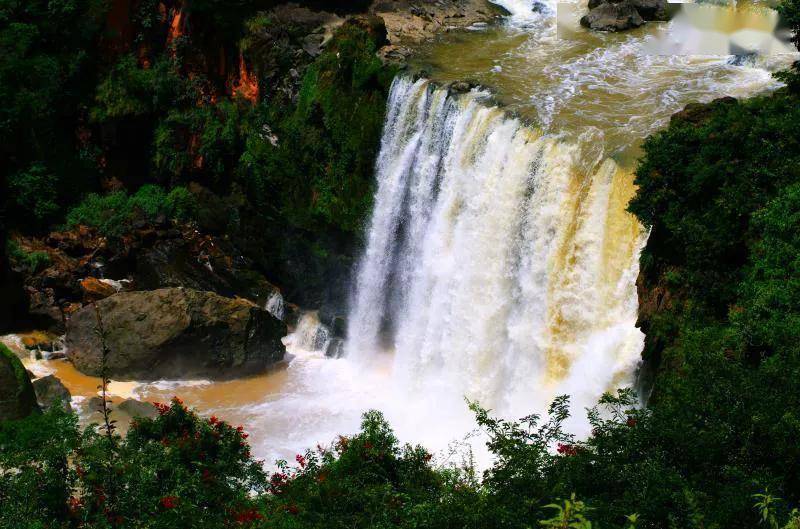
x=393 y=54
x=460 y=87
x=651 y=9
x=176 y=333
x=41 y=340
x=698 y=113
x=335 y=320
x=335 y=348
x=411 y=22
x=94 y=404
x=95 y=290
x=613 y=17
x=17 y=397
x=137 y=408
x=50 y=391
x=616 y=15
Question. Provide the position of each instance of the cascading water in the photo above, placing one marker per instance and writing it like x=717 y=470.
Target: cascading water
x=500 y=263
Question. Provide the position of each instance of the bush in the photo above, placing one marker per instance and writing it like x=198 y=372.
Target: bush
x=33 y=262
x=114 y=213
x=34 y=192
x=174 y=470
x=129 y=90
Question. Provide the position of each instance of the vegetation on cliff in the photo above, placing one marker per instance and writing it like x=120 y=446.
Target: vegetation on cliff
x=104 y=101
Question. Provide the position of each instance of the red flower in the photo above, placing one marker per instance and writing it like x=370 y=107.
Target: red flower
x=277 y=481
x=213 y=420
x=567 y=450
x=162 y=408
x=631 y=422
x=300 y=460
x=74 y=504
x=250 y=515
x=427 y=457
x=169 y=502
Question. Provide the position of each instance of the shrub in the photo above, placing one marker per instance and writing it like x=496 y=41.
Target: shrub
x=114 y=213
x=34 y=192
x=175 y=470
x=129 y=90
x=33 y=262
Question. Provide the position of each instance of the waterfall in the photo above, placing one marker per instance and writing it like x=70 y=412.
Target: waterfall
x=500 y=263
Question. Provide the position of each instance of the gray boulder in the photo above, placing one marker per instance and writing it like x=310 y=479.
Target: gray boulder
x=176 y=333
x=136 y=408
x=613 y=17
x=50 y=391
x=651 y=9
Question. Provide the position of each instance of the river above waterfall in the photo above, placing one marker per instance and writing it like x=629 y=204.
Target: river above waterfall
x=616 y=88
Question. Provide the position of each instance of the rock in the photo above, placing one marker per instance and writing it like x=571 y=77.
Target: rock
x=460 y=87
x=137 y=408
x=651 y=9
x=95 y=290
x=698 y=113
x=17 y=398
x=647 y=10
x=94 y=404
x=613 y=17
x=373 y=25
x=334 y=320
x=393 y=54
x=176 y=333
x=50 y=391
x=312 y=44
x=408 y=22
x=41 y=341
x=335 y=348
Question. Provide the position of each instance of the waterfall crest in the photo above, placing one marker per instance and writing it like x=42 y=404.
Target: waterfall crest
x=500 y=263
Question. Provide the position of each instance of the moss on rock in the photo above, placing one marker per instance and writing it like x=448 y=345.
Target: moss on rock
x=17 y=398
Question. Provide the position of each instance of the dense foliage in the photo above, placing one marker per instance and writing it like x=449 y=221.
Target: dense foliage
x=97 y=106
x=180 y=470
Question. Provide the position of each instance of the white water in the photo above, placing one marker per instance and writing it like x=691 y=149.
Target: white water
x=526 y=11
x=500 y=264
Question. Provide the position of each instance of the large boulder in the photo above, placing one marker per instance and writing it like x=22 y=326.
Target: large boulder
x=175 y=333
x=613 y=17
x=17 y=398
x=619 y=15
x=50 y=391
x=651 y=9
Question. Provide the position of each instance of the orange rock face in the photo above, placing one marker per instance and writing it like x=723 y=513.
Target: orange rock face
x=177 y=27
x=94 y=290
x=247 y=84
